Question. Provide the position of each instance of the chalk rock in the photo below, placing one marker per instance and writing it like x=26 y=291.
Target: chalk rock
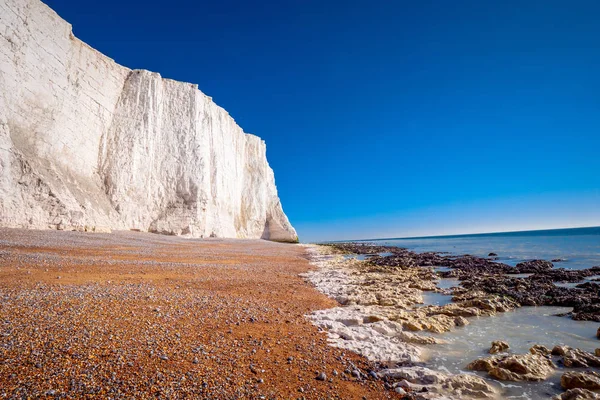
x=521 y=367
x=540 y=349
x=577 y=394
x=469 y=386
x=415 y=374
x=88 y=144
x=378 y=341
x=498 y=346
x=576 y=358
x=580 y=380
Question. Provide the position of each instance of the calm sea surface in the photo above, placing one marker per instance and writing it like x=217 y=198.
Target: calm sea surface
x=579 y=247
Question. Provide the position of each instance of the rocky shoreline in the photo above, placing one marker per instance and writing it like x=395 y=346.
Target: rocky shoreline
x=382 y=317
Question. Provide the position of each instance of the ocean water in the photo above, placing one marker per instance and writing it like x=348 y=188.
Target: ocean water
x=524 y=327
x=579 y=247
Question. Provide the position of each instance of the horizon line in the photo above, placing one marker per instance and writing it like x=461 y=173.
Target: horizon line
x=458 y=234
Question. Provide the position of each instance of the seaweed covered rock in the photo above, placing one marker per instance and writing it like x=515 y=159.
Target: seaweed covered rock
x=534 y=266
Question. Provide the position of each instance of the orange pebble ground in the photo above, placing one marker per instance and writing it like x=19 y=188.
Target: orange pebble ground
x=137 y=315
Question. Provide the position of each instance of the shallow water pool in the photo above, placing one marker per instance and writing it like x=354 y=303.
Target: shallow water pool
x=522 y=329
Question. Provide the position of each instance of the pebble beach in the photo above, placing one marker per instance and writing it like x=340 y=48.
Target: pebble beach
x=137 y=315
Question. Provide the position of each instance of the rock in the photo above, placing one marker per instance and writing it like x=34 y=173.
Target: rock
x=576 y=358
x=540 y=349
x=469 y=386
x=201 y=175
x=416 y=374
x=535 y=290
x=585 y=311
x=580 y=380
x=321 y=376
x=598 y=333
x=399 y=390
x=492 y=255
x=597 y=352
x=577 y=394
x=521 y=367
x=533 y=266
x=498 y=346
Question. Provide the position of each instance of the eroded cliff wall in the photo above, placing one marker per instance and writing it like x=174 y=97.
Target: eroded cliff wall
x=88 y=144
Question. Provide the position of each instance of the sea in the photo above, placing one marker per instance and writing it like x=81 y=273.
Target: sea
x=577 y=248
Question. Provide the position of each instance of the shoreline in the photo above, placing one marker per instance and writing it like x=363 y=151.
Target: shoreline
x=378 y=319
x=144 y=315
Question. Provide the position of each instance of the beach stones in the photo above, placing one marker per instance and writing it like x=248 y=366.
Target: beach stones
x=521 y=367
x=321 y=376
x=498 y=346
x=580 y=380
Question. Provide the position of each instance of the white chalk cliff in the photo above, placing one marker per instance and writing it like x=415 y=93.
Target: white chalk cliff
x=88 y=144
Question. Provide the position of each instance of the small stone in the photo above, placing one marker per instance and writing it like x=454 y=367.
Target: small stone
x=322 y=376
x=164 y=358
x=498 y=346
x=195 y=361
x=399 y=390
x=356 y=373
x=404 y=383
x=540 y=349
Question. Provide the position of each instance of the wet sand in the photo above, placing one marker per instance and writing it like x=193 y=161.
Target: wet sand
x=137 y=315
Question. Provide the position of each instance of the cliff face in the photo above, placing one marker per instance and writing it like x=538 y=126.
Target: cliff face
x=88 y=144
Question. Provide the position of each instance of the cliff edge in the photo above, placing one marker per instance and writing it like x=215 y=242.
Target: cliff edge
x=88 y=144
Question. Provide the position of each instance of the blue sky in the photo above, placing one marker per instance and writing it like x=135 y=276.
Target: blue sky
x=390 y=118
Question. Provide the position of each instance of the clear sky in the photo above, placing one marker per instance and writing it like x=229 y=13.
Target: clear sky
x=390 y=118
